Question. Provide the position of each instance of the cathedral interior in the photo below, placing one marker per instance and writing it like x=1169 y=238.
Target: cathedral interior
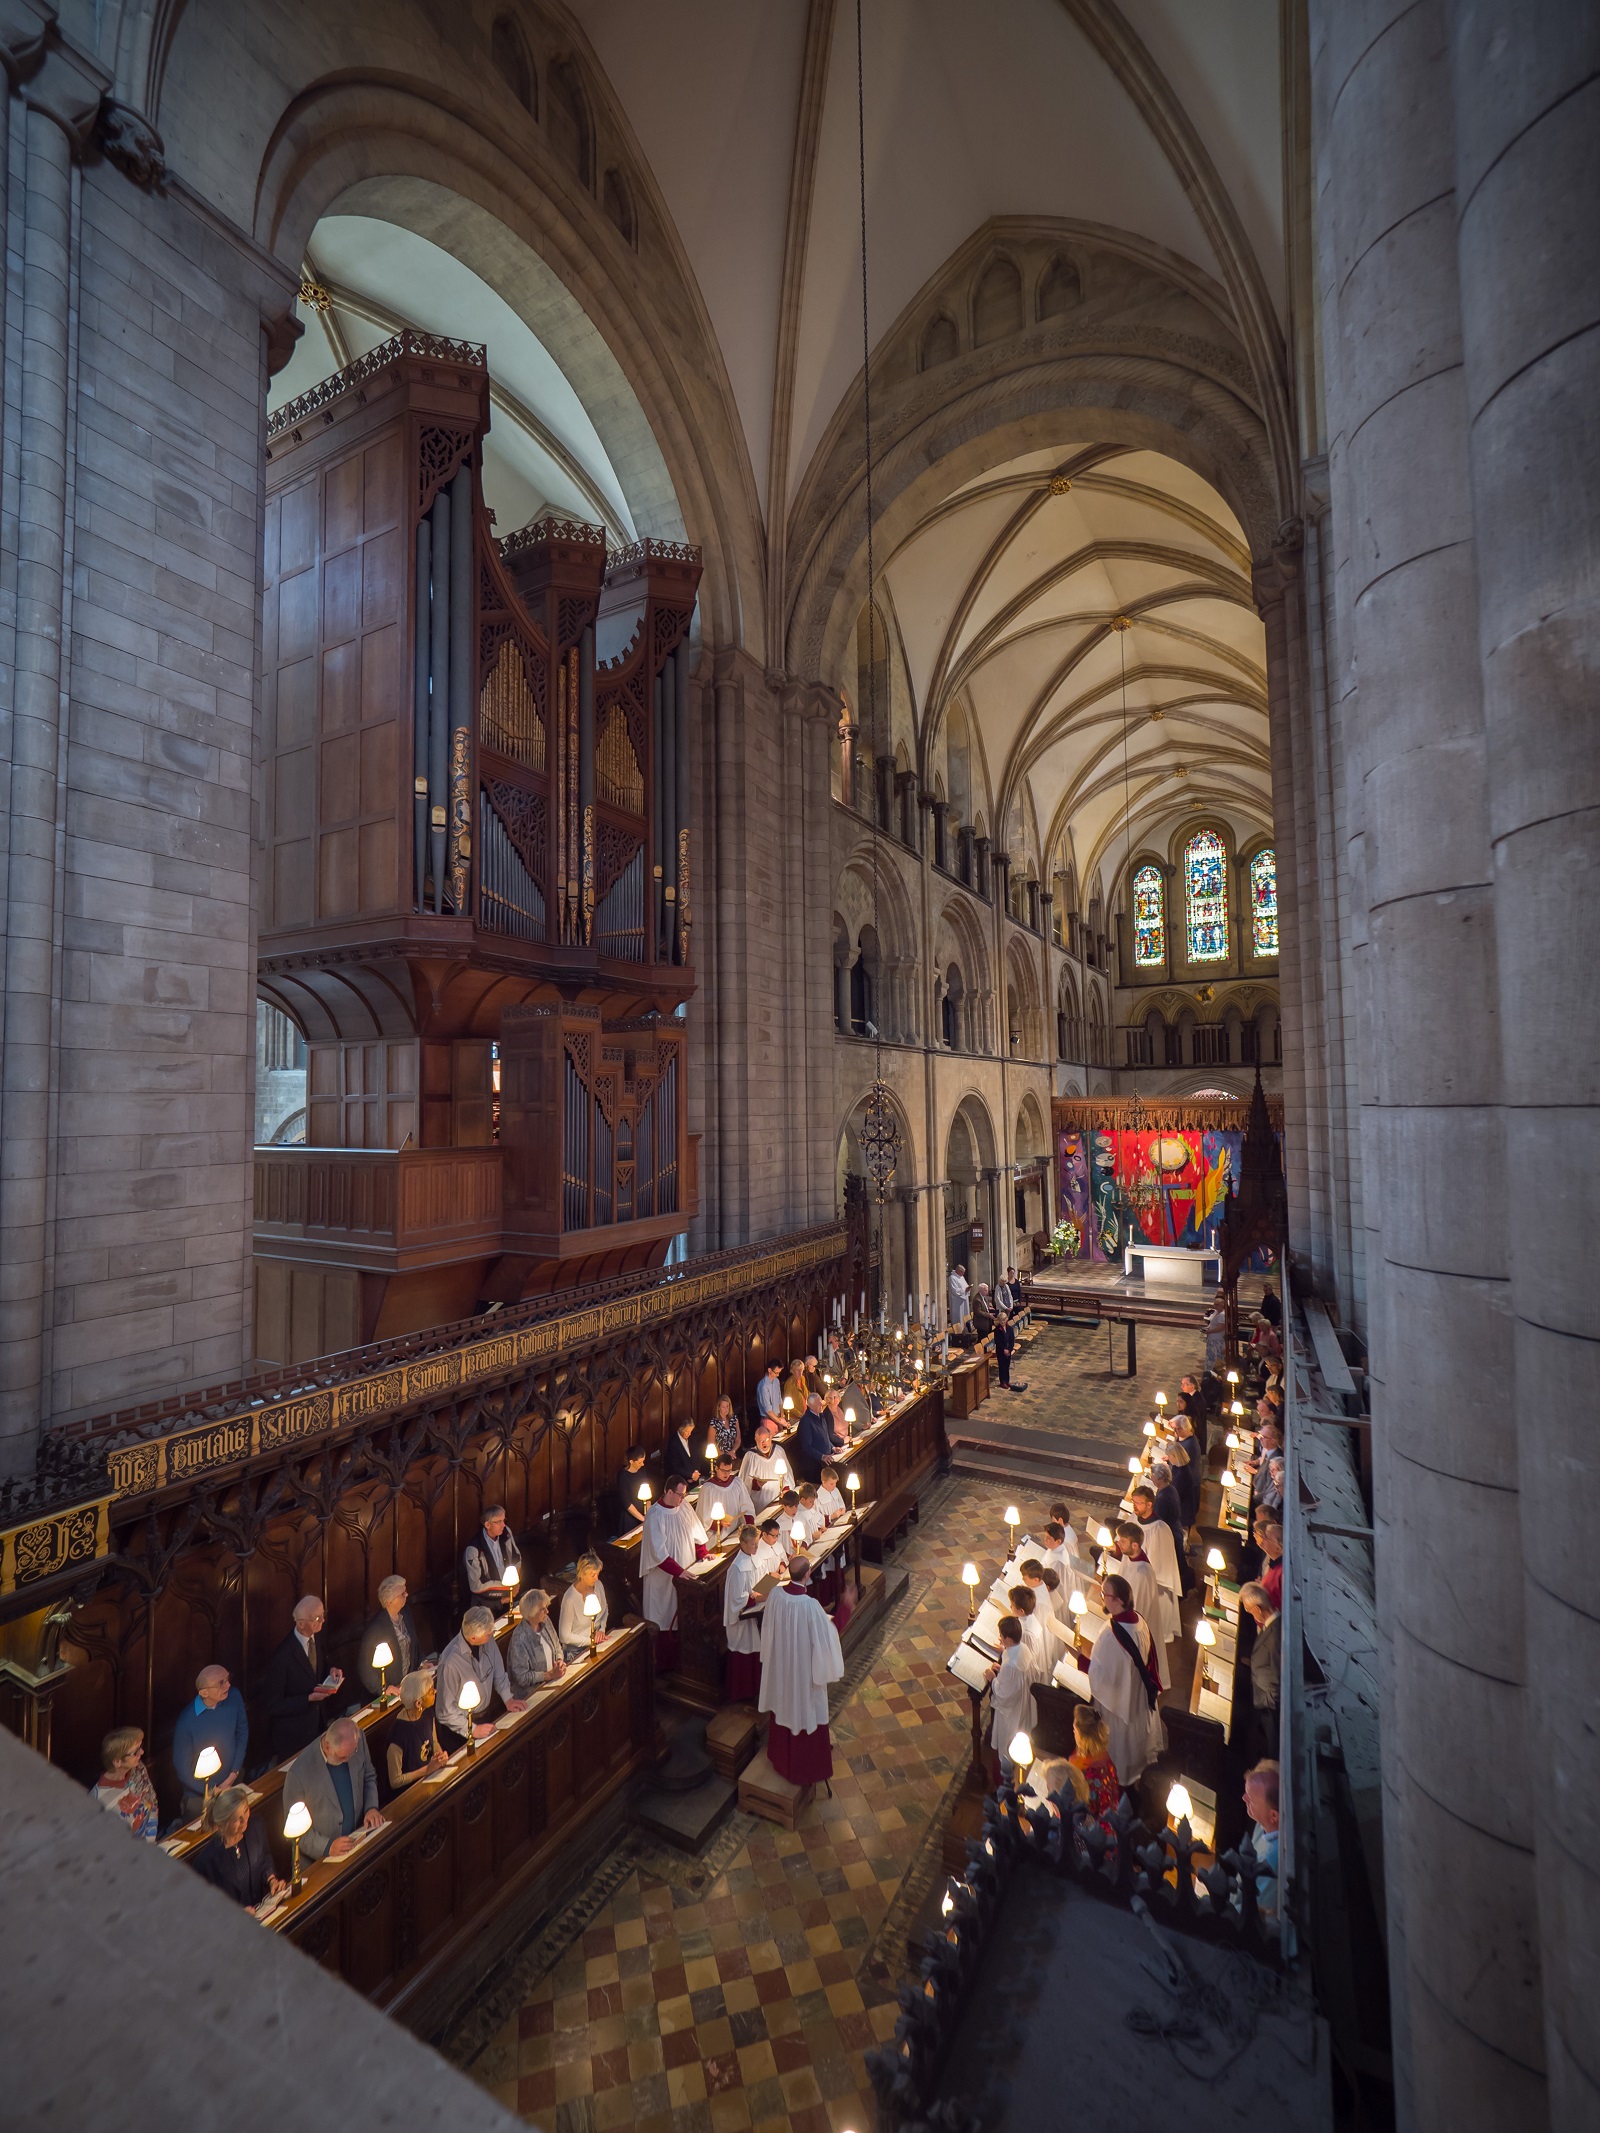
x=926 y=670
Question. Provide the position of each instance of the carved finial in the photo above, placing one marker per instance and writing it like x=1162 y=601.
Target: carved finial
x=132 y=145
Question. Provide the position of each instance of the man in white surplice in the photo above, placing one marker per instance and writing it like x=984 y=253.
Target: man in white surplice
x=1163 y=1552
x=673 y=1539
x=743 y=1630
x=1148 y=1598
x=800 y=1655
x=960 y=1306
x=1123 y=1685
x=764 y=1471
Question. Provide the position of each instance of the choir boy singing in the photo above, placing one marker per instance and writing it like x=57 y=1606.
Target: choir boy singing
x=800 y=1655
x=673 y=1539
x=1011 y=1703
x=727 y=1489
x=830 y=1500
x=741 y=1622
x=764 y=1471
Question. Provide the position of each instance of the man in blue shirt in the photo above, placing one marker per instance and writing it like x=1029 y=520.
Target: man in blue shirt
x=216 y=1719
x=335 y=1778
x=769 y=1396
x=815 y=1442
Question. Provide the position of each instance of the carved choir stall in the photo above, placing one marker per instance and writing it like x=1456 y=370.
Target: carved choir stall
x=476 y=901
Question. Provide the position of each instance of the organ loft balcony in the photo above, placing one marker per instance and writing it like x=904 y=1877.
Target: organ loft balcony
x=479 y=869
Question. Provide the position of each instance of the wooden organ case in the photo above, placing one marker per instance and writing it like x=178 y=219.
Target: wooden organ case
x=477 y=890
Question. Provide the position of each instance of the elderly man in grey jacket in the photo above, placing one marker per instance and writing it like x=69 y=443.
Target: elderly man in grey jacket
x=335 y=1778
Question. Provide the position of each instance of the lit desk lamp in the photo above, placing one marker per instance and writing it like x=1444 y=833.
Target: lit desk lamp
x=969 y=1578
x=644 y=1493
x=295 y=1825
x=1179 y=1805
x=382 y=1659
x=469 y=1700
x=718 y=1514
x=208 y=1764
x=511 y=1577
x=1205 y=1636
x=1013 y=1520
x=1020 y=1754
x=591 y=1607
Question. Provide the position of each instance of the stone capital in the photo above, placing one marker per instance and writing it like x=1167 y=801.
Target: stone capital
x=24 y=27
x=65 y=86
x=812 y=701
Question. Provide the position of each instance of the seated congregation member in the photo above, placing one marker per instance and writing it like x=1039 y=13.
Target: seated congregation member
x=574 y=1624
x=294 y=1688
x=124 y=1786
x=1091 y=1758
x=472 y=1655
x=413 y=1747
x=1011 y=1703
x=238 y=1860
x=1125 y=1685
x=742 y=1625
x=673 y=1539
x=216 y=1719
x=391 y=1625
x=1166 y=1506
x=683 y=1460
x=727 y=1489
x=725 y=1432
x=1266 y=1664
x=800 y=1655
x=486 y=1559
x=1162 y=1550
x=1269 y=1539
x=769 y=1396
x=1260 y=1840
x=533 y=1650
x=833 y=1413
x=1138 y=1573
x=630 y=1511
x=764 y=1471
x=335 y=1778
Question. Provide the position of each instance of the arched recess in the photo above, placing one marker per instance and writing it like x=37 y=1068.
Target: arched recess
x=894 y=1258
x=870 y=897
x=372 y=136
x=958 y=948
x=1024 y=1019
x=1030 y=1186
x=971 y=1199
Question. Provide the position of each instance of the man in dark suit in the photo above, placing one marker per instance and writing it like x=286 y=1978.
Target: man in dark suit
x=293 y=1692
x=815 y=1443
x=391 y=1625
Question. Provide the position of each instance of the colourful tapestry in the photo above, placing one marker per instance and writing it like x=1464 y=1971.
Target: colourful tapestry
x=1165 y=1187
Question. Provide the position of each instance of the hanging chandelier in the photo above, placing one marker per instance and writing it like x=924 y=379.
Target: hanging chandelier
x=881 y=1141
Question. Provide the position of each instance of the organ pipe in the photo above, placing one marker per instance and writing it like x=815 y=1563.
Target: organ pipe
x=586 y=776
x=462 y=608
x=422 y=624
x=439 y=697
x=679 y=666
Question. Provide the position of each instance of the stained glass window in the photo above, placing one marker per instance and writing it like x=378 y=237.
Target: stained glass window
x=1149 y=917
x=1264 y=902
x=1205 y=882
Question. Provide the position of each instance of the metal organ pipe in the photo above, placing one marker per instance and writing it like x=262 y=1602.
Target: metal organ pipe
x=439 y=698
x=421 y=629
x=462 y=609
x=679 y=664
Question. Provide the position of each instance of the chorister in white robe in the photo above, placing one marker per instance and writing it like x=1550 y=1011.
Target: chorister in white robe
x=765 y=1475
x=769 y=1560
x=743 y=1631
x=669 y=1536
x=1137 y=1734
x=1147 y=1603
x=1011 y=1700
x=1037 y=1654
x=831 y=1503
x=813 y=1520
x=735 y=1500
x=1162 y=1550
x=800 y=1655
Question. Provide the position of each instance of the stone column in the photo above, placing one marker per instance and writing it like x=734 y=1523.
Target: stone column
x=1458 y=1844
x=60 y=104
x=1527 y=187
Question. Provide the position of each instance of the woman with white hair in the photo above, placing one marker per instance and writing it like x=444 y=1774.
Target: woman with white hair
x=574 y=1623
x=533 y=1654
x=414 y=1747
x=238 y=1860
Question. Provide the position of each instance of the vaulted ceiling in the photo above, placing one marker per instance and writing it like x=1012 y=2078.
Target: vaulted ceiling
x=1154 y=124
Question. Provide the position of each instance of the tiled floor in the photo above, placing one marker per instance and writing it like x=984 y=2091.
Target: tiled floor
x=750 y=2003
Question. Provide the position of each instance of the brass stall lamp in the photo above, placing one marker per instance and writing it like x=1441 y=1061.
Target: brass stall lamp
x=797 y=1533
x=382 y=1659
x=1231 y=1440
x=718 y=1514
x=1216 y=1563
x=1135 y=1466
x=1013 y=1520
x=850 y=1420
x=1078 y=1607
x=1161 y=1402
x=1232 y=1376
x=511 y=1577
x=1205 y=1636
x=1179 y=1805
x=295 y=1824
x=1149 y=1429
x=1020 y=1754
x=853 y=1483
x=969 y=1578
x=1225 y=1478
x=788 y=1405
x=643 y=1494
x=711 y=1452
x=1102 y=1541
x=469 y=1700
x=207 y=1765
x=591 y=1607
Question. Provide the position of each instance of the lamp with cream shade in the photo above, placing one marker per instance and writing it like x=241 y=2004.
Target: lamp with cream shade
x=1013 y=1520
x=591 y=1607
x=1020 y=1753
x=969 y=1578
x=469 y=1698
x=295 y=1825
x=1179 y=1805
x=1216 y=1563
x=207 y=1765
x=510 y=1578
x=1205 y=1636
x=644 y=1493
